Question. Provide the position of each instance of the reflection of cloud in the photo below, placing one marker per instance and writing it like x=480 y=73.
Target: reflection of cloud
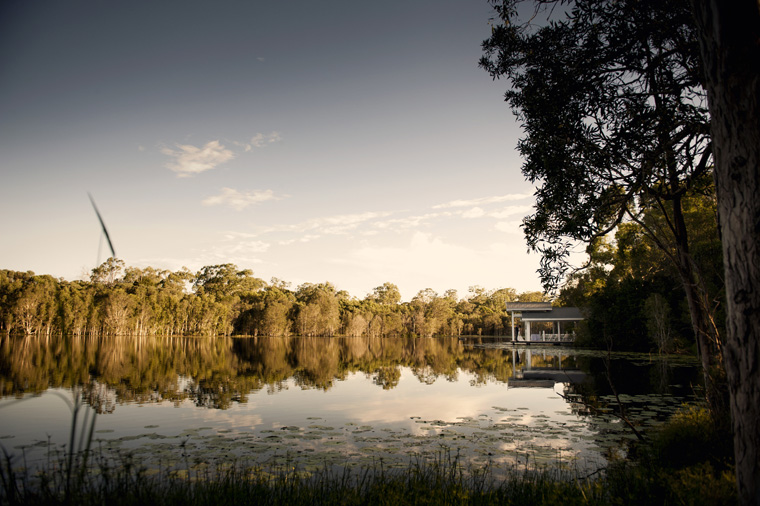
x=483 y=200
x=413 y=397
x=239 y=201
x=190 y=160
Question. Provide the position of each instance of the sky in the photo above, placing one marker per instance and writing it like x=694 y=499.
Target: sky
x=349 y=142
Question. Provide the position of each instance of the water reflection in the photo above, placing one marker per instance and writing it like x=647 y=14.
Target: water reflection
x=226 y=370
x=218 y=372
x=338 y=400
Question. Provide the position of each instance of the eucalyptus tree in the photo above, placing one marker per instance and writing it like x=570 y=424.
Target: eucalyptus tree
x=386 y=294
x=226 y=280
x=117 y=312
x=421 y=322
x=77 y=308
x=10 y=284
x=143 y=286
x=318 y=309
x=35 y=306
x=109 y=272
x=382 y=311
x=729 y=33
x=229 y=291
x=273 y=311
x=613 y=106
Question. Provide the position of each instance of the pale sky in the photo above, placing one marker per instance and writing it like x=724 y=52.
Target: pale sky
x=344 y=141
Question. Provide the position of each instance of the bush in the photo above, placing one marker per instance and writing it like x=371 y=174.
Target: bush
x=690 y=437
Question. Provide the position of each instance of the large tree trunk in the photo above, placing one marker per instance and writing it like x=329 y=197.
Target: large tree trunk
x=730 y=45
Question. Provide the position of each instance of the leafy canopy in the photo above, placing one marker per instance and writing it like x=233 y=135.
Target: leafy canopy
x=613 y=111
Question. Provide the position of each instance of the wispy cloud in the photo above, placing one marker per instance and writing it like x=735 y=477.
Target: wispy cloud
x=332 y=225
x=483 y=201
x=262 y=140
x=188 y=160
x=508 y=211
x=232 y=198
x=509 y=227
x=247 y=247
x=475 y=212
x=408 y=222
x=305 y=238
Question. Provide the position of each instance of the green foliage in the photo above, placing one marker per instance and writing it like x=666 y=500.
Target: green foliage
x=689 y=460
x=616 y=129
x=121 y=300
x=613 y=110
x=635 y=296
x=693 y=436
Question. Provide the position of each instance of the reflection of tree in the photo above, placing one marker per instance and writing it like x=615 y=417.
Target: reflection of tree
x=387 y=377
x=219 y=372
x=605 y=377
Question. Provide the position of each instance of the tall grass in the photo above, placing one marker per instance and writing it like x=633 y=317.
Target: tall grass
x=437 y=482
x=91 y=477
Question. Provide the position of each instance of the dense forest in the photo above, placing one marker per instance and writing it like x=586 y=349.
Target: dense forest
x=226 y=300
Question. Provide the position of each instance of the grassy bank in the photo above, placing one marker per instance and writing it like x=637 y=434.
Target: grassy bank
x=686 y=462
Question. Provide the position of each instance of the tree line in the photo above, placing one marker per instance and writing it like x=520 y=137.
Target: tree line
x=225 y=300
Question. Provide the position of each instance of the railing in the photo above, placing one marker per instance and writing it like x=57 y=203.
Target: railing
x=548 y=338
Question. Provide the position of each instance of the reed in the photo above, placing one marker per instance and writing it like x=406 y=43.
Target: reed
x=442 y=481
x=81 y=475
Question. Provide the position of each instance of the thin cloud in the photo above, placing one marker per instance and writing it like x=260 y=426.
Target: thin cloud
x=508 y=211
x=509 y=227
x=409 y=221
x=262 y=140
x=475 y=212
x=333 y=225
x=247 y=247
x=232 y=198
x=189 y=160
x=306 y=238
x=483 y=201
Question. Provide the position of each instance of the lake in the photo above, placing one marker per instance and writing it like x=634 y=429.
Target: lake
x=316 y=403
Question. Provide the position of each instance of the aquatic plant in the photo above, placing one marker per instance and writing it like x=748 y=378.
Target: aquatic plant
x=442 y=479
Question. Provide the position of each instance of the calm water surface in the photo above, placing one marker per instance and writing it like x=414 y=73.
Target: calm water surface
x=317 y=402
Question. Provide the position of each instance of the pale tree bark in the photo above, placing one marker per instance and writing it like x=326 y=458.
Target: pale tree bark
x=730 y=44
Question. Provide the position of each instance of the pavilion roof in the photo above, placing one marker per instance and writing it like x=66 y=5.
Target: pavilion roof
x=552 y=315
